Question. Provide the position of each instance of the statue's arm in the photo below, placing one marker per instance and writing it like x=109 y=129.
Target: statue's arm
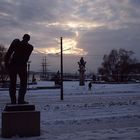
x=10 y=51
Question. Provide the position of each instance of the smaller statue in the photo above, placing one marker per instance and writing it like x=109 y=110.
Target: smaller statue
x=82 y=70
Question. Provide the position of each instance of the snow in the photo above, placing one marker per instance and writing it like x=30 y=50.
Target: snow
x=107 y=112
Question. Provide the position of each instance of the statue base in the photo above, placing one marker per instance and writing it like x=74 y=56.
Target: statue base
x=20 y=120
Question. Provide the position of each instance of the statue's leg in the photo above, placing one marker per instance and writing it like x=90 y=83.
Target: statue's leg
x=23 y=84
x=12 y=88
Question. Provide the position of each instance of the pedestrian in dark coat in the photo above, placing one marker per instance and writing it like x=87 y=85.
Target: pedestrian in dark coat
x=89 y=85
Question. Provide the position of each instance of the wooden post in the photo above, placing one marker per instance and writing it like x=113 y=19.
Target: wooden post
x=61 y=68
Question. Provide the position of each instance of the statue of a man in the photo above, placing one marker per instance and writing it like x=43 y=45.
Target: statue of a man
x=16 y=60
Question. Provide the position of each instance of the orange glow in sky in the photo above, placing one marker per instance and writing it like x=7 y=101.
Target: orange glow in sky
x=70 y=44
x=69 y=48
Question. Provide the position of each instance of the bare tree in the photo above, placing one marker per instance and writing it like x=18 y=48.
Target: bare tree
x=115 y=66
x=3 y=72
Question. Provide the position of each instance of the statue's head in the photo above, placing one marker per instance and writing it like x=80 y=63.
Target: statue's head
x=26 y=37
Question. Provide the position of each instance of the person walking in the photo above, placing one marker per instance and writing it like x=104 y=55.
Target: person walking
x=16 y=60
x=89 y=86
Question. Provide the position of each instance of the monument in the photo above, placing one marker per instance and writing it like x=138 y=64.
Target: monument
x=19 y=117
x=82 y=70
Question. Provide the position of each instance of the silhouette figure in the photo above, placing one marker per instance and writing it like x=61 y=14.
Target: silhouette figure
x=16 y=60
x=34 y=79
x=57 y=78
x=89 y=85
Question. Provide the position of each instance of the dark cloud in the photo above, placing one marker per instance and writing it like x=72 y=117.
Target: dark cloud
x=102 y=40
x=135 y=2
x=32 y=11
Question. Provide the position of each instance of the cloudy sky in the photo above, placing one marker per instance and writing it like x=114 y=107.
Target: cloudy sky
x=90 y=28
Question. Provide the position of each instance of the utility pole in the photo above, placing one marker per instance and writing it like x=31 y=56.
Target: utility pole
x=45 y=68
x=61 y=68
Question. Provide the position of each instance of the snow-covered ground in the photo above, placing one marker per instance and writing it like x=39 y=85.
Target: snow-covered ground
x=107 y=112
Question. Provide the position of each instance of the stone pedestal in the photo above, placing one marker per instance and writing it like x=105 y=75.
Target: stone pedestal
x=21 y=120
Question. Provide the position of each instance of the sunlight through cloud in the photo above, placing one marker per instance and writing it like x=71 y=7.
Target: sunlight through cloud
x=69 y=48
x=83 y=24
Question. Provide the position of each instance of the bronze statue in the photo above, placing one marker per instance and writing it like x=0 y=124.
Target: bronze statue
x=16 y=60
